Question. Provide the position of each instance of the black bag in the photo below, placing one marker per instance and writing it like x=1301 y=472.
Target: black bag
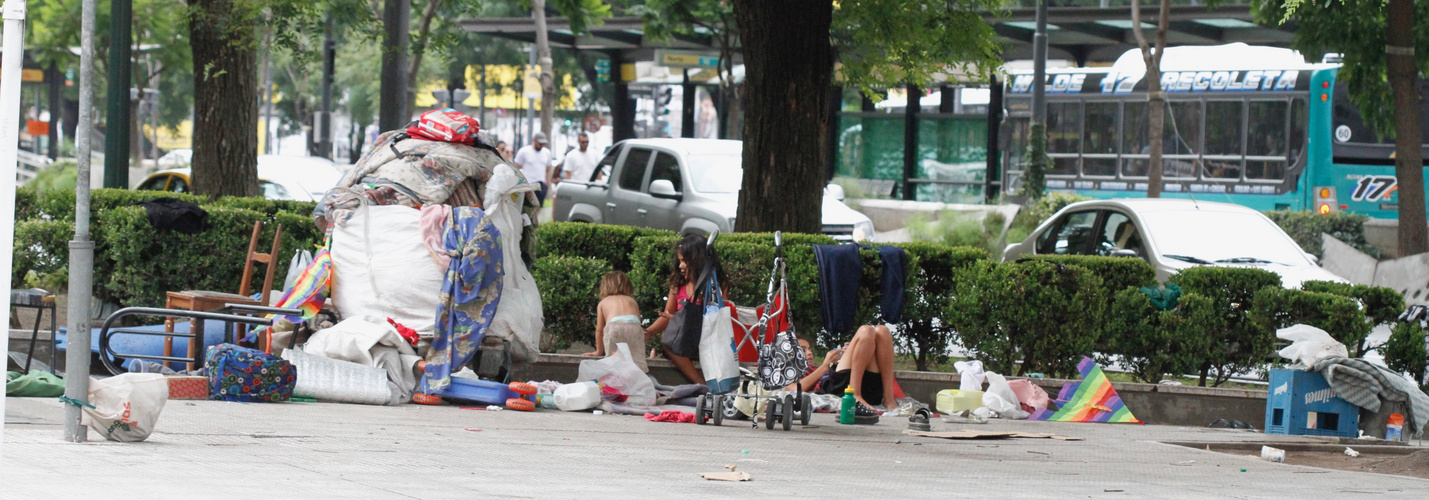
x=782 y=361
x=682 y=333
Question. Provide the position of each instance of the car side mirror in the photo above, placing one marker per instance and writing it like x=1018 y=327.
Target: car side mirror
x=1315 y=260
x=663 y=188
x=1125 y=252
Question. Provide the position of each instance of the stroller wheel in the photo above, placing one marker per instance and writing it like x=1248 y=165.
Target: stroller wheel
x=717 y=410
x=769 y=412
x=700 y=410
x=730 y=411
x=806 y=409
x=788 y=416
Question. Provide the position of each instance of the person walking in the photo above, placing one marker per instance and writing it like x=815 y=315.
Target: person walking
x=580 y=164
x=534 y=160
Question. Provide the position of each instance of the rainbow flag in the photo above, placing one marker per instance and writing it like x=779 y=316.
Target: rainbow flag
x=1091 y=400
x=311 y=289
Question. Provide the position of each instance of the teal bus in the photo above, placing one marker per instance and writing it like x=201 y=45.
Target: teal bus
x=1244 y=125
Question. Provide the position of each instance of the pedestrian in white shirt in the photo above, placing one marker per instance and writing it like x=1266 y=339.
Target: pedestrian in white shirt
x=580 y=164
x=533 y=161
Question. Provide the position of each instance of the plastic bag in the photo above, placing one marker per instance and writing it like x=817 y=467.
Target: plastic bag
x=1000 y=399
x=1309 y=345
x=970 y=375
x=618 y=371
x=301 y=260
x=717 y=360
x=1028 y=393
x=126 y=406
x=518 y=316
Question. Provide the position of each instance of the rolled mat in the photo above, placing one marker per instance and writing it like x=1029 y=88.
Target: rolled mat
x=327 y=379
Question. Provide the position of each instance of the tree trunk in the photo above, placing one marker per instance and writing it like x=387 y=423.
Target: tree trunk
x=789 y=68
x=393 y=112
x=225 y=133
x=1408 y=157
x=543 y=58
x=419 y=49
x=1155 y=98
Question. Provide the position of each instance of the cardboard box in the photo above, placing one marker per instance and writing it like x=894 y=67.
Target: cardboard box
x=187 y=387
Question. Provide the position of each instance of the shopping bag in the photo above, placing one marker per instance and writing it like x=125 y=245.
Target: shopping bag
x=717 y=358
x=619 y=371
x=300 y=262
x=248 y=375
x=125 y=407
x=781 y=362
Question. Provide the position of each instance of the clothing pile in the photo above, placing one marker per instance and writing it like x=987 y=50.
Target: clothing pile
x=425 y=234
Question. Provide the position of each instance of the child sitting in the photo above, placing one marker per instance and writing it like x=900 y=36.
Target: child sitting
x=617 y=320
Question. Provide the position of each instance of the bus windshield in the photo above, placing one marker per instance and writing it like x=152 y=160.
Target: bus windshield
x=1355 y=141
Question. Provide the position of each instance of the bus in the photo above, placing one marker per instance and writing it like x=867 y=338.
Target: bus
x=1254 y=126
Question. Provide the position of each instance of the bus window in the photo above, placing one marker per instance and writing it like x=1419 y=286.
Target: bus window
x=1267 y=138
x=1064 y=136
x=1298 y=134
x=1100 y=138
x=1133 y=126
x=1224 y=137
x=1182 y=135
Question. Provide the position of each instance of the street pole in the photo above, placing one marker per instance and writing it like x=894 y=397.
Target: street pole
x=81 y=249
x=10 y=64
x=392 y=106
x=531 y=102
x=1039 y=66
x=325 y=121
x=268 y=135
x=116 y=131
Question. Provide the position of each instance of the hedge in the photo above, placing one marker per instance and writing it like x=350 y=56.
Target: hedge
x=1381 y=305
x=1117 y=273
x=613 y=244
x=1341 y=317
x=931 y=280
x=1404 y=352
x=1305 y=227
x=1152 y=342
x=1237 y=343
x=570 y=291
x=1040 y=314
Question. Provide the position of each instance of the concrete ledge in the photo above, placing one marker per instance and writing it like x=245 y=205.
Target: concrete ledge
x=888 y=215
x=1151 y=403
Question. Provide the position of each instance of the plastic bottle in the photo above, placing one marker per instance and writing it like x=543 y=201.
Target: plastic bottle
x=547 y=401
x=1394 y=428
x=577 y=397
x=846 y=407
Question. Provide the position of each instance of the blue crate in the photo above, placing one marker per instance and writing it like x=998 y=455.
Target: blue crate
x=1302 y=403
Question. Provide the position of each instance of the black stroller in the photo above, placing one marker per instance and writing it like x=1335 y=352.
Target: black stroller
x=781 y=362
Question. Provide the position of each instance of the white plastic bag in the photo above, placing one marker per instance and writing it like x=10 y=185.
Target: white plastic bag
x=970 y=375
x=717 y=361
x=381 y=268
x=1309 y=345
x=300 y=262
x=518 y=315
x=1000 y=399
x=618 y=371
x=126 y=406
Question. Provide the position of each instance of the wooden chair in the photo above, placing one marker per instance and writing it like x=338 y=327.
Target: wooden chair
x=200 y=300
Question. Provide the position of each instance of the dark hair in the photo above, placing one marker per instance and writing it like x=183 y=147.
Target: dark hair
x=692 y=247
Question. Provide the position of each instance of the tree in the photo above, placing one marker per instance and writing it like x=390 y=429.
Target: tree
x=225 y=139
x=664 y=19
x=1155 y=98
x=790 y=49
x=1384 y=52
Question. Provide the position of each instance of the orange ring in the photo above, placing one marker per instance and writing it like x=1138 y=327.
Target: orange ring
x=426 y=399
x=520 y=405
x=523 y=388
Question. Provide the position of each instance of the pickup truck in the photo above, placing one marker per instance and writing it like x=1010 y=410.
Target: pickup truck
x=686 y=185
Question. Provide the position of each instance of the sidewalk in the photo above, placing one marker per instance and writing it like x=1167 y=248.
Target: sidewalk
x=209 y=449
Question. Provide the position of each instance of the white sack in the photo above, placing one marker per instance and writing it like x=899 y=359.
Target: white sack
x=126 y=406
x=518 y=316
x=381 y=268
x=1309 y=345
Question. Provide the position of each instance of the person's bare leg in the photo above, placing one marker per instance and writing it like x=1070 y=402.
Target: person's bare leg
x=883 y=343
x=686 y=367
x=860 y=358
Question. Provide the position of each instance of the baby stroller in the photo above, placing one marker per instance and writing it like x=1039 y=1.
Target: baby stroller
x=781 y=362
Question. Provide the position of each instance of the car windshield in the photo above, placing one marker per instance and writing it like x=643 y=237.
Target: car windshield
x=1220 y=237
x=715 y=173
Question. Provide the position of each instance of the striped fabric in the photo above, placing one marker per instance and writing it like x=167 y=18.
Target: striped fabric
x=1091 y=400
x=1365 y=384
x=311 y=289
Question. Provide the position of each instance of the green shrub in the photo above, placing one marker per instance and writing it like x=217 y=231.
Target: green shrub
x=1341 y=317
x=144 y=264
x=1044 y=315
x=570 y=291
x=266 y=206
x=1153 y=342
x=613 y=244
x=1117 y=273
x=1404 y=352
x=26 y=203
x=1306 y=226
x=60 y=205
x=930 y=283
x=42 y=246
x=1381 y=305
x=1237 y=343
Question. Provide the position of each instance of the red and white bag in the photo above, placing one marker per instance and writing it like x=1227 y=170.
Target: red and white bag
x=446 y=125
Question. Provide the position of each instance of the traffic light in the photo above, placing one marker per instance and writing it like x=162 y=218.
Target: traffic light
x=666 y=95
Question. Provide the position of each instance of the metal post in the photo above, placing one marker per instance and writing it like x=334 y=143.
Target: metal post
x=531 y=102
x=994 y=127
x=910 y=140
x=116 y=131
x=325 y=120
x=1039 y=66
x=396 y=21
x=10 y=64
x=81 y=249
x=622 y=108
x=687 y=104
x=57 y=86
x=269 y=136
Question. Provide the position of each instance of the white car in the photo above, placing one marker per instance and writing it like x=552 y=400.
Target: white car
x=1172 y=235
x=279 y=177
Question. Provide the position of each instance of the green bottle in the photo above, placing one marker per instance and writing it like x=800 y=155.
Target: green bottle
x=846 y=408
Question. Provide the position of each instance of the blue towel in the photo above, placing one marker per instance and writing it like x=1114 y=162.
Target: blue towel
x=895 y=264
x=839 y=270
